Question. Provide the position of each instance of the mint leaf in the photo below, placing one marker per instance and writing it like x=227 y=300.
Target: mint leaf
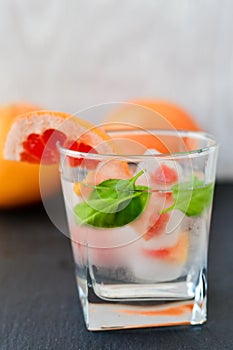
x=192 y=198
x=113 y=203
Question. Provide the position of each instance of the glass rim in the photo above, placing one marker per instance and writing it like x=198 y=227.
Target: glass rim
x=199 y=135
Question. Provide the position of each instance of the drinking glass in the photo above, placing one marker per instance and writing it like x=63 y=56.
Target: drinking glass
x=139 y=222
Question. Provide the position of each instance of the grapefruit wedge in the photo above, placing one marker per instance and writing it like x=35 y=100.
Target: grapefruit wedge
x=33 y=137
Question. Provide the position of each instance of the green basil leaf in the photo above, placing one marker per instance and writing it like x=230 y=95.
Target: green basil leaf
x=192 y=198
x=113 y=203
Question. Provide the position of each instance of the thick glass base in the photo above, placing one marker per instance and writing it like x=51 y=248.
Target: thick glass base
x=104 y=313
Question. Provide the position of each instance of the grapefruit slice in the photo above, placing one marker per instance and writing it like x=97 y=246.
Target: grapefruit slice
x=33 y=137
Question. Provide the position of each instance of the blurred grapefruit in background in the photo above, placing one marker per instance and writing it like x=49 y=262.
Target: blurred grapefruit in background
x=151 y=114
x=19 y=182
x=145 y=114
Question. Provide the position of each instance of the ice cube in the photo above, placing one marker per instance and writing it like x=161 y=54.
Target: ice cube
x=160 y=173
x=111 y=247
x=152 y=270
x=163 y=263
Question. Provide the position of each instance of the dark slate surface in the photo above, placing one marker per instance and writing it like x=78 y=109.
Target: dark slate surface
x=39 y=305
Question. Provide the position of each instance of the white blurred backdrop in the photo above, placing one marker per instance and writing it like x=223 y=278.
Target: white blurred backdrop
x=69 y=55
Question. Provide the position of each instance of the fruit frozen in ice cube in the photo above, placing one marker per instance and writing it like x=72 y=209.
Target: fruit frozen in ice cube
x=111 y=169
x=163 y=264
x=177 y=253
x=105 y=247
x=160 y=173
x=151 y=222
x=177 y=223
x=165 y=175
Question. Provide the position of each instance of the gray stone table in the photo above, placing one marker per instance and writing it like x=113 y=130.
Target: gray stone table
x=39 y=305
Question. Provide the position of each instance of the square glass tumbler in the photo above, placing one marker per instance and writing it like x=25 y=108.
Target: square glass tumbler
x=139 y=225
